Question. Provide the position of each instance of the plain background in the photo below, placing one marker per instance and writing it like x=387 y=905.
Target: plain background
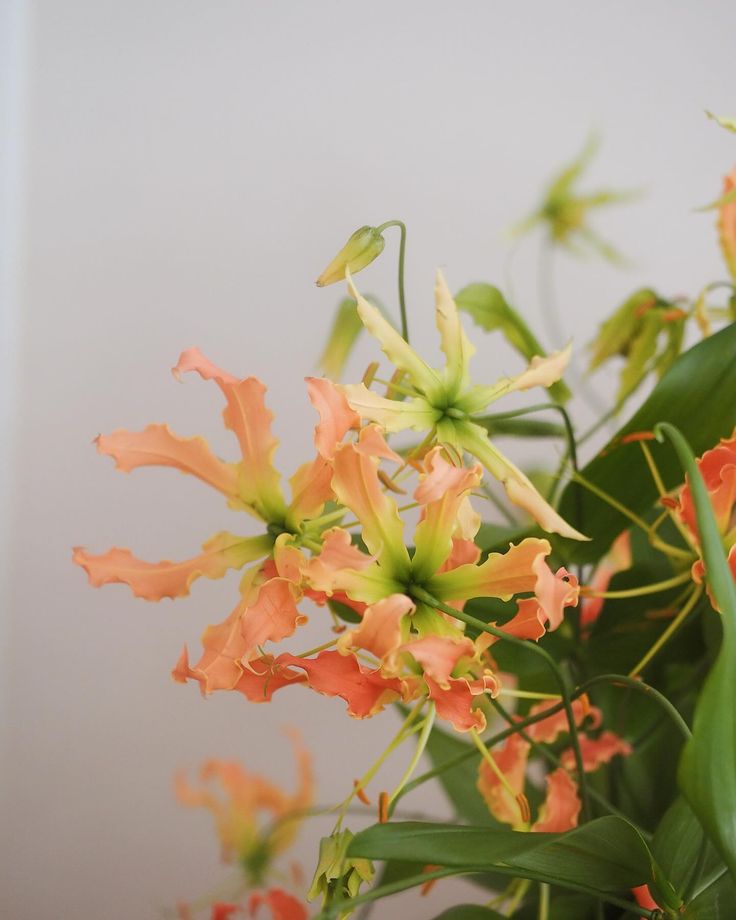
x=178 y=173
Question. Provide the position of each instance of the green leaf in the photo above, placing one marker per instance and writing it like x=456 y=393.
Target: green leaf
x=607 y=855
x=716 y=902
x=469 y=912
x=346 y=327
x=707 y=770
x=677 y=847
x=521 y=428
x=344 y=333
x=698 y=394
x=491 y=311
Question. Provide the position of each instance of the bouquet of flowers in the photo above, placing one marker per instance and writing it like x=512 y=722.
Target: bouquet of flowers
x=561 y=648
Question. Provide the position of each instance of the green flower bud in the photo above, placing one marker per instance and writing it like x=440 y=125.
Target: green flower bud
x=338 y=876
x=365 y=245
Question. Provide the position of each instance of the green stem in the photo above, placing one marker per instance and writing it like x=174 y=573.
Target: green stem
x=668 y=633
x=424 y=596
x=402 y=253
x=420 y=748
x=543 y=901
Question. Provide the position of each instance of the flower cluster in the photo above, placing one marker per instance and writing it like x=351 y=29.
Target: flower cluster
x=406 y=643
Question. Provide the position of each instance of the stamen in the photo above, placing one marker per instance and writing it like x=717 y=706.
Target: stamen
x=383 y=808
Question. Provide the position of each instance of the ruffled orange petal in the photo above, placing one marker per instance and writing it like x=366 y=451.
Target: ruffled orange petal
x=155 y=580
x=157 y=445
x=527 y=622
x=366 y=691
x=380 y=631
x=271 y=617
x=511 y=760
x=549 y=729
x=439 y=656
x=441 y=492
x=561 y=807
x=311 y=487
x=554 y=592
x=596 y=751
x=616 y=560
x=336 y=417
x=463 y=552
x=248 y=418
x=372 y=443
x=283 y=906
x=357 y=486
x=718 y=468
x=501 y=575
x=264 y=676
x=338 y=554
x=455 y=701
x=257 y=682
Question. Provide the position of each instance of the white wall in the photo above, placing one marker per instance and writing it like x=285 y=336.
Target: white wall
x=190 y=169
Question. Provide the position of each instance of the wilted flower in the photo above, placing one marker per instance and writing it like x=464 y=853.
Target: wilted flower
x=647 y=331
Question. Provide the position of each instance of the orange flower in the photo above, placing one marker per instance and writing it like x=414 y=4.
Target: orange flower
x=267 y=609
x=240 y=805
x=561 y=807
x=718 y=469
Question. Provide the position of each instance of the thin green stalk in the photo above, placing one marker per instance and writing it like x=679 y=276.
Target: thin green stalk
x=668 y=633
x=543 y=913
x=420 y=748
x=402 y=253
x=424 y=596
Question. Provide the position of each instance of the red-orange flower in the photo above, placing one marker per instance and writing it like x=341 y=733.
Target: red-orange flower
x=718 y=469
x=561 y=807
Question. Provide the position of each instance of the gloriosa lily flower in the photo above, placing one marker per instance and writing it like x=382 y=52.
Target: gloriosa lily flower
x=243 y=801
x=399 y=627
x=267 y=608
x=718 y=468
x=239 y=808
x=561 y=807
x=564 y=212
x=444 y=402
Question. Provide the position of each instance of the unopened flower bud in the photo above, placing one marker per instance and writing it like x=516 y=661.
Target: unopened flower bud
x=338 y=876
x=365 y=245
